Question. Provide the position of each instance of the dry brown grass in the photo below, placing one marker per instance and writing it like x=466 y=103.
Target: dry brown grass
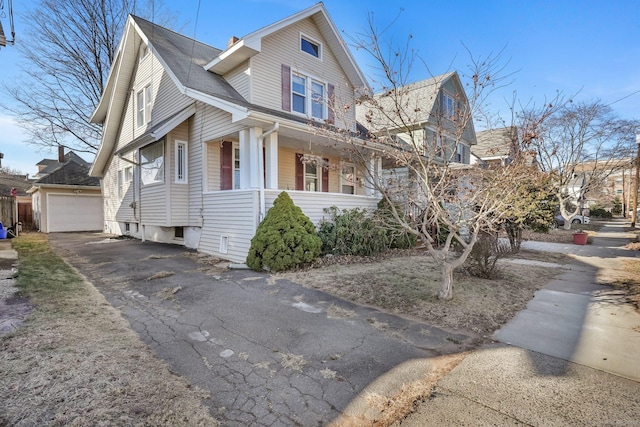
x=161 y=275
x=409 y=285
x=631 y=282
x=76 y=362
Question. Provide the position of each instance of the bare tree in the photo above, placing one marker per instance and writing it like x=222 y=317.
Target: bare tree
x=422 y=140
x=580 y=146
x=67 y=53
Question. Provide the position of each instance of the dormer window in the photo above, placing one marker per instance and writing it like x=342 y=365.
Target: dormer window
x=311 y=47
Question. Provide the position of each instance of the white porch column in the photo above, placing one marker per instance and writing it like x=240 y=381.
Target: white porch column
x=375 y=169
x=245 y=159
x=254 y=157
x=271 y=161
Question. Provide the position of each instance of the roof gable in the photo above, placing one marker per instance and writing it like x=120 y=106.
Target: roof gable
x=419 y=103
x=181 y=57
x=251 y=44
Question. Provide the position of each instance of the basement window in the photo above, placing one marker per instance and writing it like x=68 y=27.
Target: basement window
x=224 y=244
x=178 y=232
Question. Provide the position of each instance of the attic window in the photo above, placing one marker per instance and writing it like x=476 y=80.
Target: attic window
x=309 y=46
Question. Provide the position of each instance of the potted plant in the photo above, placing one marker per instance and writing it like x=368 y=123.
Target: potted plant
x=580 y=237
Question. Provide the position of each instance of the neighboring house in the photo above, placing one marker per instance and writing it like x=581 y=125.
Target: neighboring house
x=430 y=121
x=15 y=204
x=67 y=199
x=495 y=146
x=499 y=147
x=46 y=166
x=430 y=118
x=601 y=182
x=198 y=142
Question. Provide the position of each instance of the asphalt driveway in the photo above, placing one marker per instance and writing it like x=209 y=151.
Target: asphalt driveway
x=271 y=352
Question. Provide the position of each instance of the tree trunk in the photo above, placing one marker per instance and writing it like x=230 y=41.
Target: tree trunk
x=567 y=225
x=446 y=290
x=514 y=232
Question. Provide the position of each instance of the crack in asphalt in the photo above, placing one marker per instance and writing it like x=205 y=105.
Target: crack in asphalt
x=250 y=371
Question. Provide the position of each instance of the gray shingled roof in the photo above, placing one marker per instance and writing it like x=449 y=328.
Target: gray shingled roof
x=19 y=182
x=186 y=58
x=419 y=100
x=53 y=164
x=71 y=173
x=494 y=143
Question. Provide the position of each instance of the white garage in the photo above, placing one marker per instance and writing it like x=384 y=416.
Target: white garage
x=74 y=212
x=67 y=199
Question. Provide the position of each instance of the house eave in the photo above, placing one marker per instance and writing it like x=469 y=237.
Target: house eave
x=159 y=131
x=37 y=187
x=234 y=56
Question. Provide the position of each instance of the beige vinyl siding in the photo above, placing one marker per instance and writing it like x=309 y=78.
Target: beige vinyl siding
x=233 y=214
x=313 y=204
x=166 y=99
x=110 y=191
x=213 y=166
x=287 y=172
x=283 y=47
x=179 y=192
x=154 y=206
x=239 y=79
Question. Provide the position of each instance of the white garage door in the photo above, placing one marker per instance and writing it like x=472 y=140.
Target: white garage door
x=74 y=213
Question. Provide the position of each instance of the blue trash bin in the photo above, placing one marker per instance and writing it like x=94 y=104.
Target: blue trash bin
x=3 y=232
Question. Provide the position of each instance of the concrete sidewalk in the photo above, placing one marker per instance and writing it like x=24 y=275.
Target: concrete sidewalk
x=571 y=358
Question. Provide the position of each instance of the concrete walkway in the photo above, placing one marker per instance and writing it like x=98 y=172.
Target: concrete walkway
x=571 y=358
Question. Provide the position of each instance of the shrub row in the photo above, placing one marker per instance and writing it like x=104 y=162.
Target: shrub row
x=286 y=238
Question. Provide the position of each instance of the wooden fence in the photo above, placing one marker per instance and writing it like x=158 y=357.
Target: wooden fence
x=7 y=211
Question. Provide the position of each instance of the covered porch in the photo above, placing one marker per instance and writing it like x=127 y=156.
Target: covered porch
x=245 y=171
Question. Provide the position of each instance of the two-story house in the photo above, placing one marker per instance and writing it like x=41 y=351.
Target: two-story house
x=197 y=141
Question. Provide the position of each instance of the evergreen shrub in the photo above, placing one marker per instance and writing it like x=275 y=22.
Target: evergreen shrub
x=285 y=239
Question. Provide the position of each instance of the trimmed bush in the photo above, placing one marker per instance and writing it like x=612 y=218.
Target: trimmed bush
x=285 y=239
x=351 y=232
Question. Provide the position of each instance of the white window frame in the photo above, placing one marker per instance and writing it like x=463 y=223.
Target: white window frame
x=308 y=96
x=317 y=178
x=311 y=41
x=348 y=177
x=128 y=174
x=143 y=105
x=460 y=152
x=143 y=53
x=181 y=162
x=120 y=183
x=449 y=105
x=146 y=173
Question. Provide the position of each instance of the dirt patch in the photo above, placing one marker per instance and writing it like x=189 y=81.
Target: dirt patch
x=408 y=285
x=630 y=282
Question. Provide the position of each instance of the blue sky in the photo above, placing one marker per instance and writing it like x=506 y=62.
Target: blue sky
x=589 y=48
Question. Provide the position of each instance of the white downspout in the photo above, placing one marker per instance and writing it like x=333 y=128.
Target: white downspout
x=261 y=138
